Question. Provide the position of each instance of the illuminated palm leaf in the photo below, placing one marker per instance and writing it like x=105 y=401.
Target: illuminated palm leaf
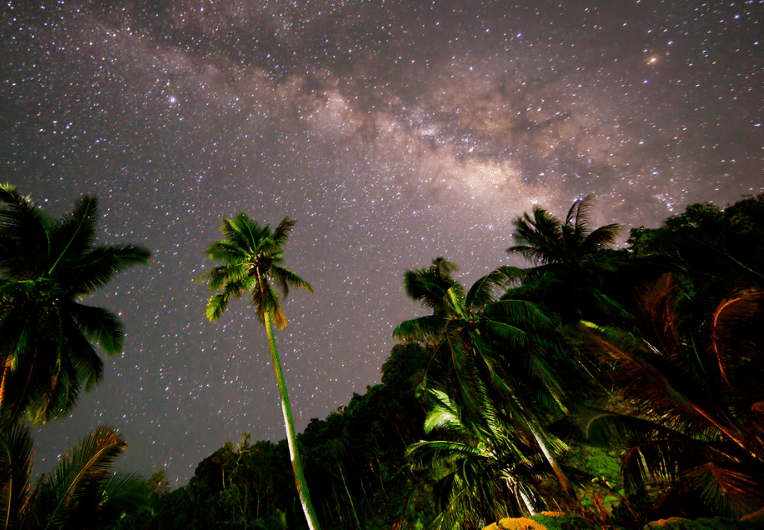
x=82 y=492
x=471 y=339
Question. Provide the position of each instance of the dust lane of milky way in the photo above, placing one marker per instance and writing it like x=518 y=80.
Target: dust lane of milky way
x=392 y=131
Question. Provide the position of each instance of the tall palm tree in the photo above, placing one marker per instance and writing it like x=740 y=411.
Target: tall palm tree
x=696 y=421
x=47 y=266
x=82 y=492
x=252 y=262
x=475 y=338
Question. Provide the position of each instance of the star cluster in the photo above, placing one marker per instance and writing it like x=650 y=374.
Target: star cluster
x=392 y=131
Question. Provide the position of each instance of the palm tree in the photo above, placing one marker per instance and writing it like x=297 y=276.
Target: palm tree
x=480 y=475
x=576 y=273
x=545 y=240
x=47 y=266
x=429 y=286
x=82 y=492
x=252 y=259
x=695 y=421
x=475 y=338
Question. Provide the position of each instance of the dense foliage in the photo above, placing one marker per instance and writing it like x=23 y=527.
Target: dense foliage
x=529 y=389
x=620 y=384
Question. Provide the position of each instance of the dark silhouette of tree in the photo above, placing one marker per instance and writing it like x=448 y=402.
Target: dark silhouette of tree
x=576 y=273
x=711 y=251
x=546 y=240
x=429 y=286
x=47 y=266
x=252 y=262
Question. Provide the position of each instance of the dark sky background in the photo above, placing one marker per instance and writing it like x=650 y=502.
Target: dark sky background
x=393 y=131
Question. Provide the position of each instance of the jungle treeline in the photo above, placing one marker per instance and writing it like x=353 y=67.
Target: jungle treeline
x=620 y=384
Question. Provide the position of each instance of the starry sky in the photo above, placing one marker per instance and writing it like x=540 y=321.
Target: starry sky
x=392 y=131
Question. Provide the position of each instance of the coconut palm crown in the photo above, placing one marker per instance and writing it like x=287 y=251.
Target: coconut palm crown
x=47 y=335
x=545 y=239
x=252 y=259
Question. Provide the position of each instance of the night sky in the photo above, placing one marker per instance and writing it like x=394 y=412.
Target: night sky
x=392 y=131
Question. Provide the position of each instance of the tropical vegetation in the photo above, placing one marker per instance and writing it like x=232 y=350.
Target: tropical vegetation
x=644 y=358
x=82 y=492
x=619 y=384
x=47 y=267
x=47 y=355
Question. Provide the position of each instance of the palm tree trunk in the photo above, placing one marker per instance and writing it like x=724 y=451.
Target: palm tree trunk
x=350 y=497
x=299 y=476
x=564 y=482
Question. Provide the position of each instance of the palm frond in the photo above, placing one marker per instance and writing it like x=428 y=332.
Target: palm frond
x=508 y=335
x=522 y=313
x=281 y=234
x=229 y=252
x=443 y=267
x=600 y=239
x=420 y=329
x=79 y=477
x=243 y=232
x=753 y=427
x=650 y=461
x=122 y=493
x=576 y=223
x=99 y=266
x=231 y=273
x=739 y=357
x=539 y=239
x=98 y=325
x=651 y=381
x=287 y=279
x=429 y=286
x=24 y=242
x=16 y=449
x=485 y=289
x=444 y=415
x=81 y=362
x=74 y=235
x=726 y=491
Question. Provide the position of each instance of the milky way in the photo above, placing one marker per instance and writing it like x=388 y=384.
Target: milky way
x=393 y=132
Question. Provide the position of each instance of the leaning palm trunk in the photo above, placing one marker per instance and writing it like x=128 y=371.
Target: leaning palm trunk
x=564 y=482
x=294 y=455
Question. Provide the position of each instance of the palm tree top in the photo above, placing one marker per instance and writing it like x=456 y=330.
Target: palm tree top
x=47 y=266
x=429 y=286
x=252 y=259
x=545 y=239
x=37 y=247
